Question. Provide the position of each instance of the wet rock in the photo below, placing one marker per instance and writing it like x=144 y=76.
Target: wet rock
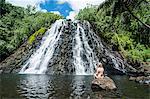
x=103 y=84
x=145 y=69
x=141 y=74
x=68 y=19
x=1 y=71
x=89 y=42
x=141 y=79
x=132 y=78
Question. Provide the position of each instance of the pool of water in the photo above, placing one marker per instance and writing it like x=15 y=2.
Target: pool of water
x=15 y=86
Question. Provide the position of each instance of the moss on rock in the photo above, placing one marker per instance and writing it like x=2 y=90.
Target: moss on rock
x=32 y=38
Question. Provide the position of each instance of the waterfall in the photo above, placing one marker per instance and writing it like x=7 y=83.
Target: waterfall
x=83 y=50
x=69 y=47
x=37 y=63
x=77 y=54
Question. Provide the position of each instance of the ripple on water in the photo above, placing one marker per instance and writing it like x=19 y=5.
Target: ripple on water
x=65 y=87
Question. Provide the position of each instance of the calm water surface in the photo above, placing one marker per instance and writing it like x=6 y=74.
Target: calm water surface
x=66 y=87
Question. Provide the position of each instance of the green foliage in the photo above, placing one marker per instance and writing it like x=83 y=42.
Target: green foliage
x=147 y=55
x=87 y=14
x=134 y=55
x=148 y=60
x=123 y=41
x=121 y=23
x=17 y=24
x=2 y=7
x=34 y=35
x=137 y=53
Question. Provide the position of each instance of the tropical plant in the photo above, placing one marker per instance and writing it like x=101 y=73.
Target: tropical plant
x=123 y=24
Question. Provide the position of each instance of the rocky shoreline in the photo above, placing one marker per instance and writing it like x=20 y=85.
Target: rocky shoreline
x=142 y=75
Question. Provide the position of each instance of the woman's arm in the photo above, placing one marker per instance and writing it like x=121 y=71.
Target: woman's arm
x=95 y=76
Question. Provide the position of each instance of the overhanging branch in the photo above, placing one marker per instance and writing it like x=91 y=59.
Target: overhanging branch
x=146 y=25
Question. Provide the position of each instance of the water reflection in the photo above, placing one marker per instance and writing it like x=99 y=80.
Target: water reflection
x=65 y=87
x=46 y=86
x=78 y=87
x=35 y=86
x=131 y=89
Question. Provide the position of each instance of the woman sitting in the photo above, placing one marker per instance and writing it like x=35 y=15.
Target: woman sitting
x=99 y=71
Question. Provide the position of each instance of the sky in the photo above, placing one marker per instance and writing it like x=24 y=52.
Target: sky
x=67 y=8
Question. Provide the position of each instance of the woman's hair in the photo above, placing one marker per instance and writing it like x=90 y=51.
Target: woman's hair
x=99 y=65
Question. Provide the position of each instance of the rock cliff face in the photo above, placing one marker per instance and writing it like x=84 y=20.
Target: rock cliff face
x=13 y=63
x=76 y=51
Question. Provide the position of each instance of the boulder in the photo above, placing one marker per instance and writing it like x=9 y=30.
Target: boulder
x=103 y=84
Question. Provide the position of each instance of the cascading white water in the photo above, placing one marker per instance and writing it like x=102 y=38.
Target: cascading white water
x=118 y=63
x=82 y=47
x=79 y=66
x=69 y=47
x=37 y=63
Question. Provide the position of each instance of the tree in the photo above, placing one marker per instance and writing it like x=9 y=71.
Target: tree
x=124 y=24
x=17 y=24
x=2 y=7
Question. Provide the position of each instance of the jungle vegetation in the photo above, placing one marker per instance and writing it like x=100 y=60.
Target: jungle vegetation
x=123 y=24
x=17 y=24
